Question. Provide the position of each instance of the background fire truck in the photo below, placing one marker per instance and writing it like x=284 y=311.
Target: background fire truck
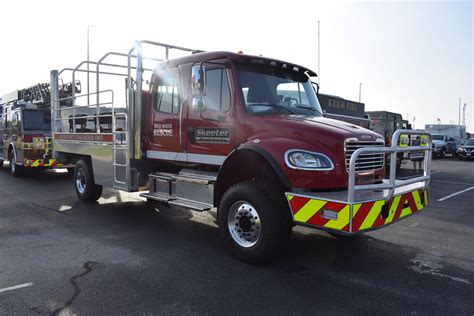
x=25 y=130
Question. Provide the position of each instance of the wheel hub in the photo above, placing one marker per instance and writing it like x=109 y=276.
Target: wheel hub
x=80 y=181
x=244 y=224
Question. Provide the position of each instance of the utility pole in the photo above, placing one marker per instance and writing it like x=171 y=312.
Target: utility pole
x=413 y=127
x=88 y=86
x=360 y=91
x=319 y=56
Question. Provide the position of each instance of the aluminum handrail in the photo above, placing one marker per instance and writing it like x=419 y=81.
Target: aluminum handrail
x=393 y=150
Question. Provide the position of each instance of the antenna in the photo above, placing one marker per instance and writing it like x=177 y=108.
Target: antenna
x=319 y=56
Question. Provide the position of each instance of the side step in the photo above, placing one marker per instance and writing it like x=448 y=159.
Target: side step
x=192 y=189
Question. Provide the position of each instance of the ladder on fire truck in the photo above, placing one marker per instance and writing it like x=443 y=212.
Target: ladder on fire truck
x=125 y=137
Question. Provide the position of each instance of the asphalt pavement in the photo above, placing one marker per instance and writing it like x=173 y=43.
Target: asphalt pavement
x=124 y=256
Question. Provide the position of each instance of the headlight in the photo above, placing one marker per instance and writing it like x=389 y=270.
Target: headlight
x=461 y=149
x=306 y=160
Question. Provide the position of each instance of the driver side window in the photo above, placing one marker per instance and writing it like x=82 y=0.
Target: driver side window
x=292 y=93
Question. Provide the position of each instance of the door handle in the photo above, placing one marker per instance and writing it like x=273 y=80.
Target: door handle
x=191 y=134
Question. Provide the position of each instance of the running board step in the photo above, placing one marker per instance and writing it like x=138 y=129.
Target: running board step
x=194 y=205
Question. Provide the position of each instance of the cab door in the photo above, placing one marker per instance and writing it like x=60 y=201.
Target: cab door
x=163 y=117
x=210 y=128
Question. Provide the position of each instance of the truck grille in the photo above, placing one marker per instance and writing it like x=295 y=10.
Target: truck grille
x=365 y=162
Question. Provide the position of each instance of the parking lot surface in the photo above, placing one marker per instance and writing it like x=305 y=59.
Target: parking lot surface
x=125 y=256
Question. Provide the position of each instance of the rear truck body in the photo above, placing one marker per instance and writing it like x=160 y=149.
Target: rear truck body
x=26 y=138
x=240 y=133
x=386 y=123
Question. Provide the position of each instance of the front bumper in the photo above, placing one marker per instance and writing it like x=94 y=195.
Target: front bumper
x=331 y=211
x=466 y=154
x=364 y=207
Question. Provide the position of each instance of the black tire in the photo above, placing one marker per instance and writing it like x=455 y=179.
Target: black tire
x=1 y=163
x=15 y=170
x=442 y=154
x=84 y=185
x=272 y=222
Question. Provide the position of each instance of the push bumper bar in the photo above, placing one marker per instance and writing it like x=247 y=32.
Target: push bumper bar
x=370 y=206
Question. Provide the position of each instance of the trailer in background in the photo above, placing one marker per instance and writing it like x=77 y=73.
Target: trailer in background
x=344 y=110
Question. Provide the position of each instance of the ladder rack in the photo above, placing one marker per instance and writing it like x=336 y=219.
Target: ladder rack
x=126 y=140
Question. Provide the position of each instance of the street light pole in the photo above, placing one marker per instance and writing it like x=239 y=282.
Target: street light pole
x=464 y=114
x=360 y=91
x=459 y=111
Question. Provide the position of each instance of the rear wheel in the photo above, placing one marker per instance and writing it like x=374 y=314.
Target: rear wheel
x=254 y=221
x=84 y=185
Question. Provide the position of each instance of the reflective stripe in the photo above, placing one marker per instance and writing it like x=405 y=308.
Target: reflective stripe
x=404 y=140
x=372 y=216
x=342 y=219
x=308 y=210
x=393 y=209
x=177 y=156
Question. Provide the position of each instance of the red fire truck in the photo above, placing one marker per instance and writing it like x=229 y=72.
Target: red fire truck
x=240 y=133
x=25 y=129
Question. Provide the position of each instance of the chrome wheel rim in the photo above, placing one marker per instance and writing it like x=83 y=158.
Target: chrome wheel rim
x=244 y=224
x=81 y=181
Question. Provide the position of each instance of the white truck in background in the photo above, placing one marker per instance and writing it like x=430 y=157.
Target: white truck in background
x=447 y=138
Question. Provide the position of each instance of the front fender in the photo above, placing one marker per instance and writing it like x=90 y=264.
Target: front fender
x=304 y=179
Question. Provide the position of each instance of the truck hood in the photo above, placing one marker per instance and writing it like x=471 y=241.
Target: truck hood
x=310 y=133
x=308 y=128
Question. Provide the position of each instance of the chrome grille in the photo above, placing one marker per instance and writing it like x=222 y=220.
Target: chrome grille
x=365 y=162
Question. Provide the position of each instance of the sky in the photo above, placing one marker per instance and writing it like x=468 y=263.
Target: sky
x=412 y=57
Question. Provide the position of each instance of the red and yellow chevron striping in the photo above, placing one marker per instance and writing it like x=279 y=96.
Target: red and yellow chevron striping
x=33 y=163
x=366 y=215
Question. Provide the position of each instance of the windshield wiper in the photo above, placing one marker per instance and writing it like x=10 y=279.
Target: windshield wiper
x=273 y=105
x=309 y=108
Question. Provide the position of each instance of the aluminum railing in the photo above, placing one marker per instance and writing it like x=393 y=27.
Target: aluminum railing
x=393 y=150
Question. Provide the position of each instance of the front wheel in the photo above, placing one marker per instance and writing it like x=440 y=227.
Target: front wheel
x=254 y=221
x=84 y=185
x=15 y=170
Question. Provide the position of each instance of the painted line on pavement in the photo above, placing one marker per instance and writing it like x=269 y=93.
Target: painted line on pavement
x=454 y=194
x=453 y=182
x=16 y=287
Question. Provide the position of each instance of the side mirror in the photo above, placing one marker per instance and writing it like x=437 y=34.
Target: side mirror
x=198 y=82
x=315 y=84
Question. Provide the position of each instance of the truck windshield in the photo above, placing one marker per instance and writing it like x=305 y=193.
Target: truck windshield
x=36 y=120
x=273 y=90
x=437 y=137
